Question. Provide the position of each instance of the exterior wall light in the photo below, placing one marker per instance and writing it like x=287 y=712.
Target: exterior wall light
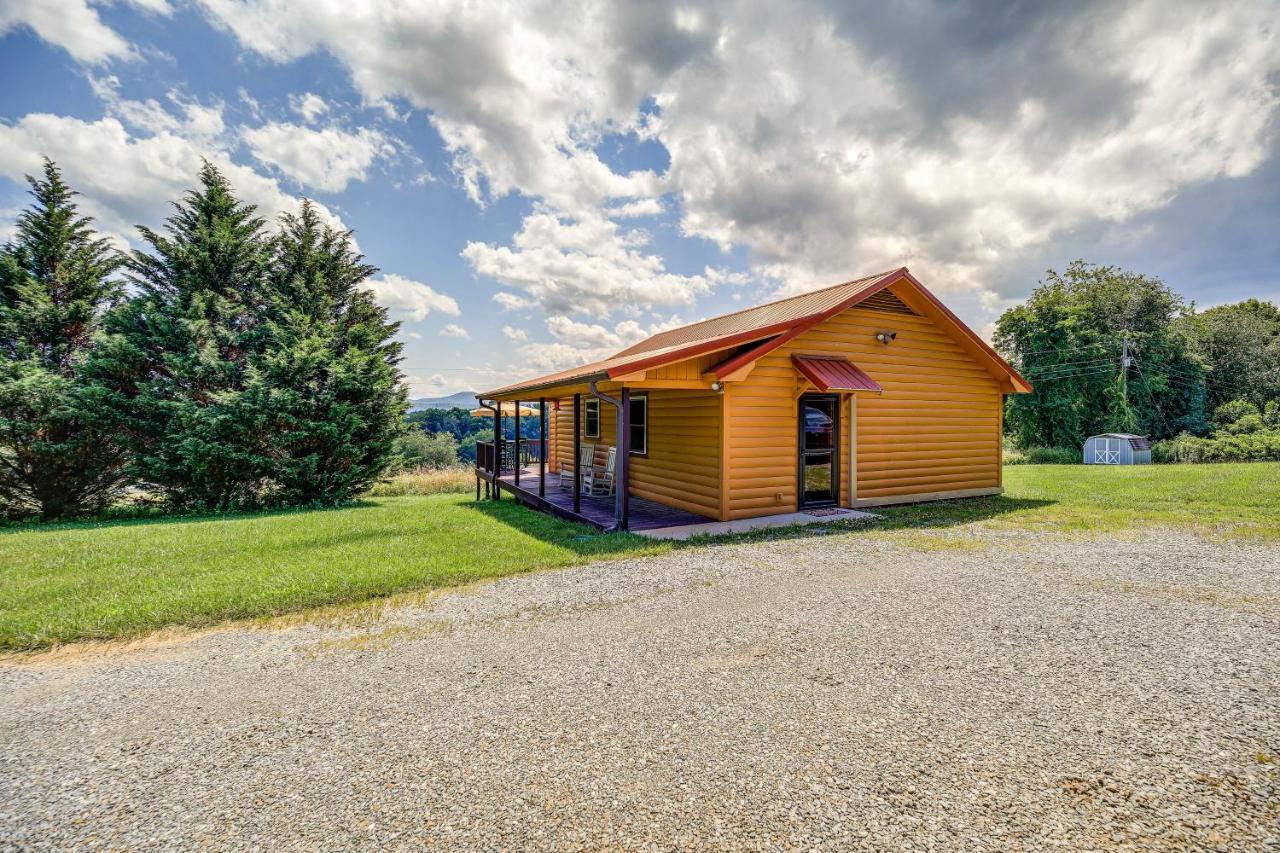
x=886 y=336
x=717 y=386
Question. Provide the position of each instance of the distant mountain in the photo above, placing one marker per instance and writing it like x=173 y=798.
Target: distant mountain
x=461 y=400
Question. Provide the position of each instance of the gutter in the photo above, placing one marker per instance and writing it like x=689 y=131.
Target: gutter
x=622 y=454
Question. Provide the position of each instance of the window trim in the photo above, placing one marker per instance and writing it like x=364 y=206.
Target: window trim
x=636 y=398
x=587 y=409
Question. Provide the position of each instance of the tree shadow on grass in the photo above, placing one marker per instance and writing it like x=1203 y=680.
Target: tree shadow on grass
x=160 y=517
x=582 y=539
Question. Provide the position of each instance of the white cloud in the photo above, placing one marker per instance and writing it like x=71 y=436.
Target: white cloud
x=408 y=299
x=427 y=386
x=250 y=102
x=587 y=266
x=69 y=24
x=515 y=335
x=153 y=7
x=126 y=178
x=1122 y=107
x=511 y=302
x=309 y=105
x=634 y=209
x=326 y=159
x=453 y=330
x=576 y=342
x=591 y=335
x=520 y=95
x=812 y=134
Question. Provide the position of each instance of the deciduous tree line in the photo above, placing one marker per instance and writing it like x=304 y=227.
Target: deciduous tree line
x=1115 y=351
x=224 y=365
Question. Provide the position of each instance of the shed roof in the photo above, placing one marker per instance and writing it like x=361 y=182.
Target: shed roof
x=779 y=321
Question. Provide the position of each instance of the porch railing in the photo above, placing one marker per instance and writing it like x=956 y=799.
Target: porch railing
x=485 y=456
x=530 y=452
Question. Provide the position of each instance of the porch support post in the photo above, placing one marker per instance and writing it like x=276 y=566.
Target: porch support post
x=518 y=446
x=497 y=449
x=542 y=446
x=489 y=483
x=623 y=472
x=622 y=456
x=577 y=453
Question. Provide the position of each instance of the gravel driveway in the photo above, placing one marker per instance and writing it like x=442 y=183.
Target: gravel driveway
x=823 y=692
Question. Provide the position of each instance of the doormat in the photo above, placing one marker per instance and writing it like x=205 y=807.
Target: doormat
x=823 y=513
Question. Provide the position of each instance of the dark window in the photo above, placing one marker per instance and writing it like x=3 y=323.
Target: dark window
x=591 y=419
x=639 y=425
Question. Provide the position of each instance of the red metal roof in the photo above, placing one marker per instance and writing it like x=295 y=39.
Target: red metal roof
x=780 y=321
x=783 y=311
x=751 y=324
x=834 y=373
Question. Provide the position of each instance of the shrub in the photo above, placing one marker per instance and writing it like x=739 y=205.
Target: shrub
x=1014 y=456
x=416 y=450
x=1053 y=456
x=1261 y=446
x=1041 y=456
x=1228 y=414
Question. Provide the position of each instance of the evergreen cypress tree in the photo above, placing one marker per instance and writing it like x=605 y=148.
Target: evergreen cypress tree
x=56 y=456
x=179 y=356
x=325 y=390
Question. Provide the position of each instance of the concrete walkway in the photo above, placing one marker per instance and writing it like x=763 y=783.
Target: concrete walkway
x=742 y=525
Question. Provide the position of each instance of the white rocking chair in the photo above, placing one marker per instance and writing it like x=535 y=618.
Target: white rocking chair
x=599 y=481
x=586 y=458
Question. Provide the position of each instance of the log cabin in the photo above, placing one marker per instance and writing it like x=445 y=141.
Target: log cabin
x=866 y=393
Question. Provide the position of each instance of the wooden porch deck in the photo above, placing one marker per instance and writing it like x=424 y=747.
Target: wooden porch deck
x=642 y=514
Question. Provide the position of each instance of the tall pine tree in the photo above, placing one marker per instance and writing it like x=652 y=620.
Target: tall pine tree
x=180 y=353
x=325 y=390
x=57 y=457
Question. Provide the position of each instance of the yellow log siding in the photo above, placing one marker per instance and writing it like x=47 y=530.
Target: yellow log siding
x=682 y=466
x=936 y=427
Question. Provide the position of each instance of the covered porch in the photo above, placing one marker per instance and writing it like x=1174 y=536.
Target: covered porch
x=542 y=491
x=591 y=459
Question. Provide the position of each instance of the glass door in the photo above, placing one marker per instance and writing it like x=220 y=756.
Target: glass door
x=819 y=449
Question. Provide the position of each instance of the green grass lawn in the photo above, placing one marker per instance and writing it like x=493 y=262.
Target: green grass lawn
x=1231 y=500
x=78 y=581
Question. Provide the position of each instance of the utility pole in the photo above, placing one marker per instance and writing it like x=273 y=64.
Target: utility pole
x=1125 y=363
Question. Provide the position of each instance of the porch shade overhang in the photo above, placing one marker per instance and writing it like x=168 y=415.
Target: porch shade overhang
x=834 y=373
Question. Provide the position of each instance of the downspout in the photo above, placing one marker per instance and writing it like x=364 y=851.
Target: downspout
x=622 y=454
x=496 y=459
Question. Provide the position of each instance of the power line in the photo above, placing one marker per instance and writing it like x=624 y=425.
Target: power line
x=1151 y=398
x=1092 y=372
x=1044 y=371
x=1023 y=354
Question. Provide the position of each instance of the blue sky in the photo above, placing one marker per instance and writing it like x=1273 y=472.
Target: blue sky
x=543 y=184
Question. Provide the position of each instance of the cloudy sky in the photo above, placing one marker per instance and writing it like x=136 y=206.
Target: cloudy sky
x=542 y=183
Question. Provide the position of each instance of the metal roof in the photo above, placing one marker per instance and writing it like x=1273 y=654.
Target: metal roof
x=718 y=333
x=779 y=321
x=834 y=373
x=771 y=313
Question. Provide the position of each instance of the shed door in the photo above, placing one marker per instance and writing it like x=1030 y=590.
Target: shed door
x=819 y=446
x=1106 y=451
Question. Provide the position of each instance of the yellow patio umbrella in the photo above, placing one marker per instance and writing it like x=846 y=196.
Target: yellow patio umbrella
x=508 y=409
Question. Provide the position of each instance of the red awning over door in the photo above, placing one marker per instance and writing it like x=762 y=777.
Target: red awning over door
x=834 y=373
